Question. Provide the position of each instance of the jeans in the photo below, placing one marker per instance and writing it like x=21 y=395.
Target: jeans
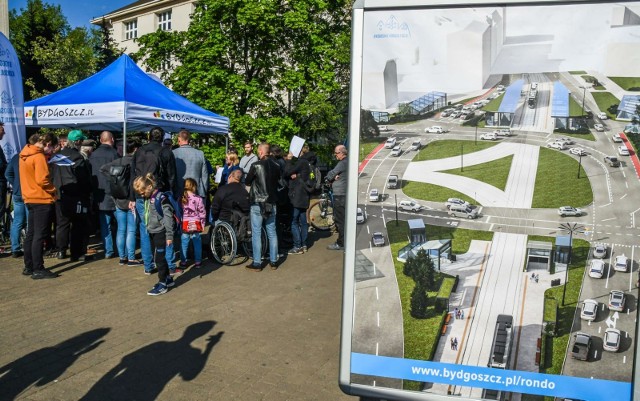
x=158 y=241
x=256 y=239
x=145 y=242
x=19 y=222
x=126 y=235
x=38 y=229
x=197 y=246
x=106 y=217
x=299 y=227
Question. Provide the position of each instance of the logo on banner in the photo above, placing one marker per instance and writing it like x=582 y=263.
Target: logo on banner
x=158 y=114
x=29 y=113
x=392 y=28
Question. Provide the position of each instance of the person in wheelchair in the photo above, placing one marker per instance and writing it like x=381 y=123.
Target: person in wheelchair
x=229 y=198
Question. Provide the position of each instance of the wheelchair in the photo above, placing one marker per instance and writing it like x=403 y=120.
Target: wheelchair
x=230 y=241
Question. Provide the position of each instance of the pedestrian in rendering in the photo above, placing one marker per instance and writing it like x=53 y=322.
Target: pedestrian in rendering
x=455 y=343
x=455 y=313
x=451 y=341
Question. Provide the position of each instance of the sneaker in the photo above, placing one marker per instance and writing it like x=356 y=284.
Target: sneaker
x=296 y=251
x=41 y=274
x=273 y=265
x=62 y=254
x=253 y=268
x=335 y=247
x=123 y=262
x=177 y=271
x=304 y=249
x=158 y=289
x=197 y=265
x=17 y=254
x=169 y=282
x=135 y=263
x=183 y=264
x=150 y=272
x=27 y=272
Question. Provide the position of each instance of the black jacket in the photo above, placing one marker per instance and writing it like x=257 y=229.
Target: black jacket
x=298 y=188
x=229 y=197
x=72 y=182
x=122 y=204
x=164 y=156
x=104 y=154
x=263 y=178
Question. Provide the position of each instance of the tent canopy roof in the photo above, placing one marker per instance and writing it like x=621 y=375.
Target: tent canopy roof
x=121 y=93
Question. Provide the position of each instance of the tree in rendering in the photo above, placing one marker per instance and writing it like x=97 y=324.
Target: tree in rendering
x=419 y=302
x=424 y=270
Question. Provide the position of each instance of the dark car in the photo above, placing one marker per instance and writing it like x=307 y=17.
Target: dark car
x=377 y=239
x=612 y=161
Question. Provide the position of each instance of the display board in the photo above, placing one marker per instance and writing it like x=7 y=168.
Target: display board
x=491 y=239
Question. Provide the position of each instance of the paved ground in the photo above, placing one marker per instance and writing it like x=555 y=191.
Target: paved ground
x=222 y=333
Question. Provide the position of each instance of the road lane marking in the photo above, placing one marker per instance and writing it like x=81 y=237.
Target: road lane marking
x=378 y=317
x=377 y=294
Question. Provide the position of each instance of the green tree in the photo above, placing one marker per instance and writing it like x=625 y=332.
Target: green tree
x=424 y=272
x=419 y=302
x=368 y=126
x=106 y=49
x=275 y=69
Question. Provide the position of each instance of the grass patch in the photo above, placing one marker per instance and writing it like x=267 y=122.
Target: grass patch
x=604 y=101
x=627 y=83
x=493 y=173
x=593 y=81
x=421 y=335
x=588 y=136
x=550 y=312
x=450 y=148
x=430 y=192
x=494 y=104
x=577 y=72
x=368 y=144
x=557 y=183
x=575 y=109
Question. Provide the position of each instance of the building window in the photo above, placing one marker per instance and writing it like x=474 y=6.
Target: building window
x=131 y=29
x=164 y=21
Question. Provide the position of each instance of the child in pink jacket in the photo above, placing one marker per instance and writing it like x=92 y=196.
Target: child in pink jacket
x=193 y=219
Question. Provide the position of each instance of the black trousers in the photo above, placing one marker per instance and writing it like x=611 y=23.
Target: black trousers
x=159 y=248
x=72 y=227
x=38 y=229
x=339 y=204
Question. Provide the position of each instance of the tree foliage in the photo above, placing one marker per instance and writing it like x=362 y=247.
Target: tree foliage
x=421 y=269
x=274 y=68
x=419 y=302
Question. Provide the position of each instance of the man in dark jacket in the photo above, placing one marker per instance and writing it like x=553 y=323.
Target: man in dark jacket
x=296 y=173
x=231 y=196
x=338 y=178
x=263 y=179
x=158 y=160
x=104 y=154
x=73 y=186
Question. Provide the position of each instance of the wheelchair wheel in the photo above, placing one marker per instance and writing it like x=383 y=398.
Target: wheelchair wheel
x=223 y=243
x=320 y=215
x=247 y=248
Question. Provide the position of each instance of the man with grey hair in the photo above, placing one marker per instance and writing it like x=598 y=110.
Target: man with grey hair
x=338 y=179
x=190 y=163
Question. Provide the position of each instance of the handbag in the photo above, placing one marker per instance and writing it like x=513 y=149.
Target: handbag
x=194 y=226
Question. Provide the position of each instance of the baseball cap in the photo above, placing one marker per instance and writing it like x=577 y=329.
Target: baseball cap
x=76 y=135
x=166 y=137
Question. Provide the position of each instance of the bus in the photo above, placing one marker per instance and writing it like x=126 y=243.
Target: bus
x=500 y=352
x=531 y=100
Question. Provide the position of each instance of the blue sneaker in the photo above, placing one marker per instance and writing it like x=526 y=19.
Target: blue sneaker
x=169 y=282
x=158 y=289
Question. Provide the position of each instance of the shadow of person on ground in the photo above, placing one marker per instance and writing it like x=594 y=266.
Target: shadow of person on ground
x=46 y=364
x=143 y=374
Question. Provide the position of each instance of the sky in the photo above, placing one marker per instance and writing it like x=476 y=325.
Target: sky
x=78 y=12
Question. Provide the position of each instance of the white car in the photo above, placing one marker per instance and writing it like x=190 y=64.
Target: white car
x=578 y=151
x=599 y=251
x=621 y=263
x=602 y=115
x=623 y=151
x=598 y=127
x=616 y=300
x=446 y=113
x=616 y=138
x=611 y=341
x=361 y=216
x=391 y=142
x=596 y=268
x=409 y=205
x=374 y=196
x=503 y=132
x=415 y=145
x=570 y=211
x=396 y=151
x=455 y=201
x=436 y=129
x=589 y=310
x=489 y=136
x=557 y=145
x=566 y=141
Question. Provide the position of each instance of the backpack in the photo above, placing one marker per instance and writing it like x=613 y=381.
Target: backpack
x=315 y=177
x=149 y=162
x=119 y=180
x=177 y=209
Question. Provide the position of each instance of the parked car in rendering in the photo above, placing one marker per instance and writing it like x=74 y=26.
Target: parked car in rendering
x=578 y=151
x=393 y=181
x=620 y=264
x=455 y=201
x=466 y=211
x=612 y=161
x=589 y=310
x=602 y=115
x=596 y=268
x=616 y=300
x=377 y=239
x=599 y=251
x=361 y=216
x=616 y=138
x=489 y=136
x=415 y=145
x=581 y=346
x=436 y=129
x=409 y=205
x=390 y=143
x=557 y=145
x=446 y=113
x=564 y=211
x=566 y=140
x=374 y=196
x=611 y=341
x=396 y=151
x=598 y=127
x=623 y=151
x=502 y=132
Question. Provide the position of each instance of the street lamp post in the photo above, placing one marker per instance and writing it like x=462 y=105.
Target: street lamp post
x=579 y=164
x=571 y=228
x=461 y=157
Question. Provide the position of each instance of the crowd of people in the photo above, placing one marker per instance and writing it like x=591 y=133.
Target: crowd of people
x=161 y=193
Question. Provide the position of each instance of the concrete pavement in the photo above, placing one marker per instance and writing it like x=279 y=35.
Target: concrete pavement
x=222 y=333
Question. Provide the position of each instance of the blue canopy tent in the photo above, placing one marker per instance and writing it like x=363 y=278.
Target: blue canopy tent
x=121 y=97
